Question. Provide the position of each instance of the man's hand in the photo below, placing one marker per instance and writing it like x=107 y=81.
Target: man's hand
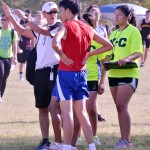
x=122 y=62
x=65 y=59
x=6 y=9
x=101 y=88
x=14 y=60
x=148 y=37
x=19 y=13
x=85 y=59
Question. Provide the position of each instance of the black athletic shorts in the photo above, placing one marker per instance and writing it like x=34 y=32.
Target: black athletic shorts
x=146 y=42
x=122 y=81
x=22 y=57
x=43 y=86
x=92 y=85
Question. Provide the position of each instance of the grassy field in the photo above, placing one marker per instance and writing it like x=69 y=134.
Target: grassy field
x=19 y=127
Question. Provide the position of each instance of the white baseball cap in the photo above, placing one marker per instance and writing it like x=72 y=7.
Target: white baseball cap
x=47 y=7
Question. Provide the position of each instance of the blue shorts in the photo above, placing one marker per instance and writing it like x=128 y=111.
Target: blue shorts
x=71 y=85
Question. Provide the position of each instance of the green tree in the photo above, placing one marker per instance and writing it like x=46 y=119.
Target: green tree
x=35 y=5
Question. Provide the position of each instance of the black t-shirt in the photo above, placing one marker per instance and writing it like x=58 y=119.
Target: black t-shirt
x=25 y=42
x=145 y=28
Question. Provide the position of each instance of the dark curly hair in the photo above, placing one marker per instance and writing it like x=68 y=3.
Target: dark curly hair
x=73 y=5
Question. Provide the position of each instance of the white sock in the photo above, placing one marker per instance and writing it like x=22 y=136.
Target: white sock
x=66 y=147
x=1 y=100
x=57 y=143
x=21 y=74
x=92 y=146
x=72 y=147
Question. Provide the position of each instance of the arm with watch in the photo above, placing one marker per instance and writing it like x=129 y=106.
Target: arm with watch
x=39 y=29
x=26 y=32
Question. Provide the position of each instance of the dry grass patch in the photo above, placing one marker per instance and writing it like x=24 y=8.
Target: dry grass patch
x=19 y=127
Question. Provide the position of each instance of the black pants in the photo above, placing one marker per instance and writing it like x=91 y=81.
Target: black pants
x=5 y=65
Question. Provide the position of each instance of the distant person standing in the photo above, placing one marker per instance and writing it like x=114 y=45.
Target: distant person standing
x=28 y=14
x=71 y=86
x=94 y=72
x=39 y=18
x=94 y=9
x=8 y=51
x=25 y=46
x=144 y=27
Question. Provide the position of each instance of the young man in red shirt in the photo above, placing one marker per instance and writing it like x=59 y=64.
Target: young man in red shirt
x=75 y=37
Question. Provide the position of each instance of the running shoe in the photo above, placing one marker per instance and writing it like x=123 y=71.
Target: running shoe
x=123 y=144
x=43 y=145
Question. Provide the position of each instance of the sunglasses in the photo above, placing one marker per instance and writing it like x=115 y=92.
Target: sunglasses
x=52 y=12
x=4 y=19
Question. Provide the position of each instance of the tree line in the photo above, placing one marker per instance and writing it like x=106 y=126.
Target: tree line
x=35 y=5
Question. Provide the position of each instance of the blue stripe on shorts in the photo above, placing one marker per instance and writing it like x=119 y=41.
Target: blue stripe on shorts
x=71 y=85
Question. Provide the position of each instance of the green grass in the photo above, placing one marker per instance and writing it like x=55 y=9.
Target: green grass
x=19 y=127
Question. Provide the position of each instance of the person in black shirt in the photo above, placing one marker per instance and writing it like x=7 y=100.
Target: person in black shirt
x=144 y=27
x=24 y=46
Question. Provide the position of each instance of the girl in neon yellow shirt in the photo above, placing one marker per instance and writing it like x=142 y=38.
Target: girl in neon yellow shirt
x=96 y=72
x=123 y=82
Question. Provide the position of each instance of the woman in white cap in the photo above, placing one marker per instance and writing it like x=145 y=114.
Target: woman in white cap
x=46 y=65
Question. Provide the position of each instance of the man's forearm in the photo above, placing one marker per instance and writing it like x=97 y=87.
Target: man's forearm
x=36 y=27
x=57 y=49
x=15 y=48
x=134 y=56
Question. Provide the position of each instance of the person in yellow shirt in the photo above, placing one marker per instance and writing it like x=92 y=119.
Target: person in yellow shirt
x=8 y=51
x=123 y=82
x=95 y=77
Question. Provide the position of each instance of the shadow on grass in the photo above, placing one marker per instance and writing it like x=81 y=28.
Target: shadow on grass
x=107 y=142
x=36 y=122
x=18 y=122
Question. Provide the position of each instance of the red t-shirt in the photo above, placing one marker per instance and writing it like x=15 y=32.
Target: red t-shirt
x=76 y=44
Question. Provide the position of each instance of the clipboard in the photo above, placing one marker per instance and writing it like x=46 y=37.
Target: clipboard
x=114 y=65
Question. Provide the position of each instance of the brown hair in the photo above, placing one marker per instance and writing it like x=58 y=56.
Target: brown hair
x=128 y=12
x=92 y=6
x=90 y=19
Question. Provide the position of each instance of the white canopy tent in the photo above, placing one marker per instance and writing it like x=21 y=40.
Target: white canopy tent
x=108 y=11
